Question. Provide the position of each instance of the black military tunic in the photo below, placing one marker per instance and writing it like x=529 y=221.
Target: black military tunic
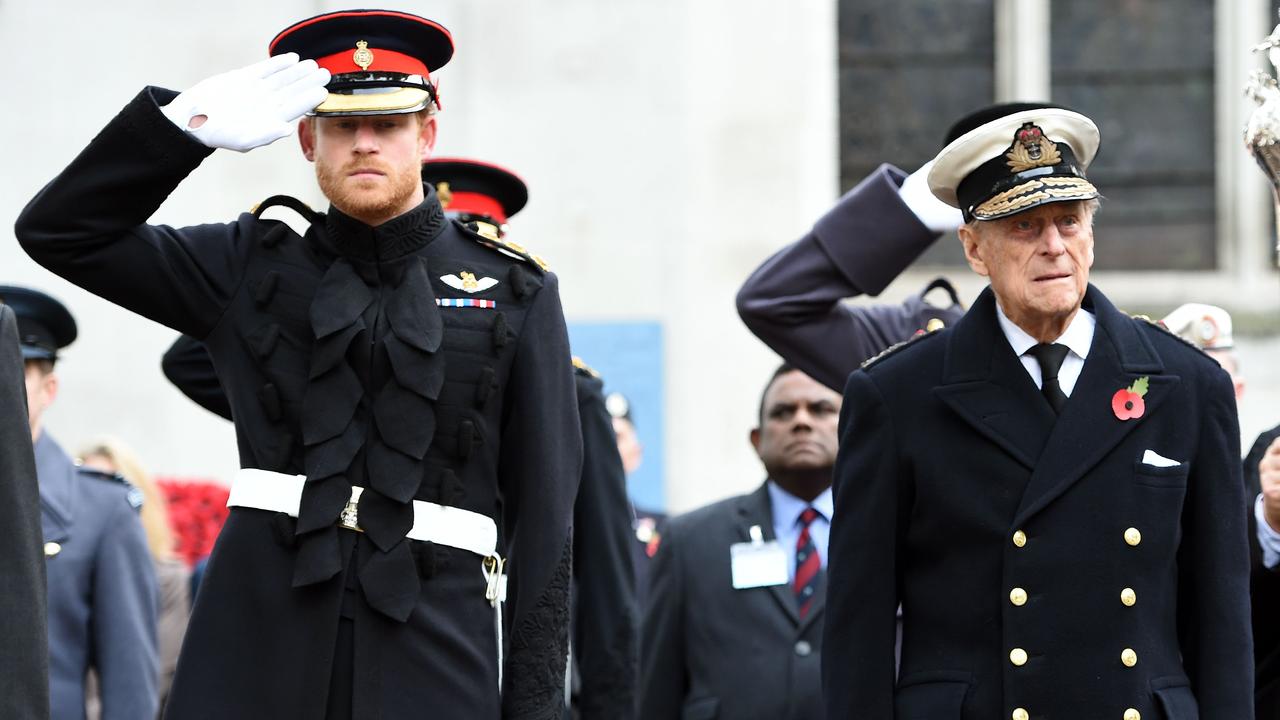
x=605 y=613
x=343 y=361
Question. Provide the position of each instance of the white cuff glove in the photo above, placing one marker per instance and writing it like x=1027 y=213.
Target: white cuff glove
x=252 y=106
x=935 y=214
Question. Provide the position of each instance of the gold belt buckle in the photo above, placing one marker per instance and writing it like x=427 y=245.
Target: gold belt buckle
x=349 y=518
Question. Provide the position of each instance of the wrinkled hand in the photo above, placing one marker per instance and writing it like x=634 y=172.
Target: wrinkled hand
x=935 y=214
x=1269 y=477
x=250 y=107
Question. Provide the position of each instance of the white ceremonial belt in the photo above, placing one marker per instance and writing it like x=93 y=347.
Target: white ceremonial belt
x=441 y=524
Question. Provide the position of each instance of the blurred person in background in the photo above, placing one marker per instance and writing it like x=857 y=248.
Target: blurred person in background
x=113 y=457
x=24 y=654
x=646 y=523
x=1209 y=328
x=101 y=582
x=733 y=623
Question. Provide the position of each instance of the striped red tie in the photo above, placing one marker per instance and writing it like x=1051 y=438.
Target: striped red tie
x=808 y=564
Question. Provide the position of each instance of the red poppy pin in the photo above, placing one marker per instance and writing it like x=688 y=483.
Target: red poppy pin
x=1127 y=403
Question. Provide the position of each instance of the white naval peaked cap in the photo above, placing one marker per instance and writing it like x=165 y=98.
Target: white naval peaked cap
x=1016 y=162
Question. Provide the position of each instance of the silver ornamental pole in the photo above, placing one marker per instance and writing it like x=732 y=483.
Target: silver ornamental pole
x=1262 y=132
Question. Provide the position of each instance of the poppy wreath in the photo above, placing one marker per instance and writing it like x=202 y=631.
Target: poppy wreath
x=197 y=510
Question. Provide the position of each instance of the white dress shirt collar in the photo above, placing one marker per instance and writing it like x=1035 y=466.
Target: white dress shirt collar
x=1078 y=337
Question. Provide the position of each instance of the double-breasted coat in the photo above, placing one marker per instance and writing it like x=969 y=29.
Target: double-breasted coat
x=1047 y=567
x=24 y=655
x=349 y=357
x=710 y=651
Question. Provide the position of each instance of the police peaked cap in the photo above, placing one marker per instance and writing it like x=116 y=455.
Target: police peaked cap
x=45 y=326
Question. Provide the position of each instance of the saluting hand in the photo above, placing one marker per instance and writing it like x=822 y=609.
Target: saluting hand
x=250 y=107
x=936 y=215
x=1269 y=477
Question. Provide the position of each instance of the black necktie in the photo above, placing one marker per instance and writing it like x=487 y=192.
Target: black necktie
x=1050 y=358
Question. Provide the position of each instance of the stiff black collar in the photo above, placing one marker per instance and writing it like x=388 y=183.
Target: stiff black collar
x=395 y=238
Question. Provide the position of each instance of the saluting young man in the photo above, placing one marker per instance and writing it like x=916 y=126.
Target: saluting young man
x=404 y=440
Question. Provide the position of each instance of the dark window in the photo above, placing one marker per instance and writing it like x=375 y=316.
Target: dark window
x=908 y=69
x=1143 y=70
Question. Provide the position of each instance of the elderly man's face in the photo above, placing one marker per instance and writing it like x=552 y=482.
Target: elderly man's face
x=1038 y=261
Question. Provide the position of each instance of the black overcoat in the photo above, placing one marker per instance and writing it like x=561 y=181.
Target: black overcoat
x=794 y=302
x=604 y=613
x=343 y=361
x=1001 y=527
x=24 y=654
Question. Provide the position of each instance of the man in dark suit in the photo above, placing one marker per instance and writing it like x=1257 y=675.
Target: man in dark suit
x=24 y=656
x=733 y=625
x=1049 y=488
x=101 y=583
x=1262 y=472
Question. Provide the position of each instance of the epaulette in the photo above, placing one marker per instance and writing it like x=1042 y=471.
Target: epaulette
x=487 y=234
x=894 y=348
x=1161 y=327
x=134 y=494
x=292 y=203
x=584 y=368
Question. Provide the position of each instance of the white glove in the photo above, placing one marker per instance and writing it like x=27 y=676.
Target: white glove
x=935 y=214
x=250 y=107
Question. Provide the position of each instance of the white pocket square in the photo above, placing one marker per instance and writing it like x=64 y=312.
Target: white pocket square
x=1155 y=459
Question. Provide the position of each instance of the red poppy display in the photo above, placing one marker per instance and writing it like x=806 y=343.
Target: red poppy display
x=197 y=510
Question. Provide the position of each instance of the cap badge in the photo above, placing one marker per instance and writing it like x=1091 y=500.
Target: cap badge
x=1031 y=149
x=1208 y=330
x=444 y=194
x=363 y=56
x=468 y=282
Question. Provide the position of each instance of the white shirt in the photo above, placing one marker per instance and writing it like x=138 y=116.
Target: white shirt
x=1077 y=337
x=1268 y=539
x=786 y=523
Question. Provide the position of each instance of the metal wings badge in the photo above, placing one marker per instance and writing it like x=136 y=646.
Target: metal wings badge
x=468 y=282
